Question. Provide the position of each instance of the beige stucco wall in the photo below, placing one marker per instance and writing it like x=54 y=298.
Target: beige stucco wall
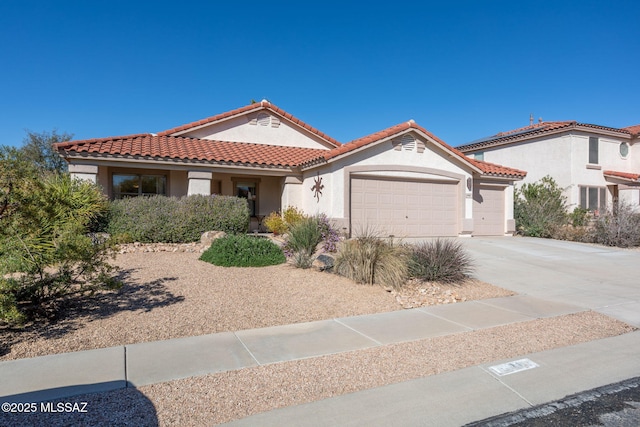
x=384 y=161
x=240 y=129
x=566 y=158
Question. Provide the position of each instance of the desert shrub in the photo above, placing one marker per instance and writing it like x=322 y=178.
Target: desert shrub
x=579 y=217
x=330 y=234
x=302 y=240
x=243 y=251
x=46 y=252
x=275 y=223
x=539 y=208
x=177 y=220
x=368 y=259
x=280 y=223
x=572 y=233
x=440 y=260
x=620 y=227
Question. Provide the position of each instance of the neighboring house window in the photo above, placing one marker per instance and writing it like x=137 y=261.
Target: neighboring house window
x=593 y=150
x=247 y=190
x=479 y=155
x=593 y=198
x=133 y=185
x=624 y=150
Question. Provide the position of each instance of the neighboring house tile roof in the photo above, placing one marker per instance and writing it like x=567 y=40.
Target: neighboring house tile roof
x=262 y=105
x=179 y=148
x=633 y=130
x=538 y=129
x=635 y=177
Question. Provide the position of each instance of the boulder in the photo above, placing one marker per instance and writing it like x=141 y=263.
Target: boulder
x=209 y=236
x=323 y=262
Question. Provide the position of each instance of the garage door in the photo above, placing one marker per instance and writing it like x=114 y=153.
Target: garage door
x=488 y=211
x=404 y=208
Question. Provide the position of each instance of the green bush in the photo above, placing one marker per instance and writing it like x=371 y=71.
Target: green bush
x=177 y=220
x=617 y=228
x=579 y=217
x=539 y=208
x=440 y=260
x=243 y=251
x=368 y=259
x=302 y=240
x=46 y=252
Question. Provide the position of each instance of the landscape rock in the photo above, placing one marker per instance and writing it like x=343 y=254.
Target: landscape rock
x=209 y=236
x=323 y=262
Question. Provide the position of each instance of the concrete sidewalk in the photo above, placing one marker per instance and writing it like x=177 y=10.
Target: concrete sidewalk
x=63 y=375
x=460 y=397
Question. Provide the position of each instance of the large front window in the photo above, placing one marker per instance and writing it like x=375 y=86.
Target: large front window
x=133 y=185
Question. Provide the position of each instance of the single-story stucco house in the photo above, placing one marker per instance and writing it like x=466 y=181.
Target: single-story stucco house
x=595 y=165
x=401 y=181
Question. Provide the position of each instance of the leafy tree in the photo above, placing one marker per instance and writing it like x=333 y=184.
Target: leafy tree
x=45 y=250
x=540 y=208
x=38 y=148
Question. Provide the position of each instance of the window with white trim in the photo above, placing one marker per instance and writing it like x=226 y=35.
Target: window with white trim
x=134 y=185
x=593 y=198
x=593 y=150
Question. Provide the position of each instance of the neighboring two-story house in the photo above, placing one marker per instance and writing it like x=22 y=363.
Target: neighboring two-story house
x=595 y=165
x=401 y=181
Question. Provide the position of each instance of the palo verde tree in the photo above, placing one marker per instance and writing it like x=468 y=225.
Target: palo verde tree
x=45 y=250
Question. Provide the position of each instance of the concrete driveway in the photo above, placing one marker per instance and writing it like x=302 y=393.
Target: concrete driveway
x=595 y=277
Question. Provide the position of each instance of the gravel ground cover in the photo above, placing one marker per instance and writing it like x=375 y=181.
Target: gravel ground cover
x=218 y=398
x=172 y=294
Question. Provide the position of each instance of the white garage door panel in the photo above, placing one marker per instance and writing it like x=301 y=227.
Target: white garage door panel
x=404 y=208
x=488 y=211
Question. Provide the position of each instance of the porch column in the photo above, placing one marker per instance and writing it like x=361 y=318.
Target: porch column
x=84 y=172
x=199 y=183
x=291 y=192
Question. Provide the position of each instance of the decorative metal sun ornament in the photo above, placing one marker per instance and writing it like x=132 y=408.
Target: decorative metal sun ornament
x=317 y=187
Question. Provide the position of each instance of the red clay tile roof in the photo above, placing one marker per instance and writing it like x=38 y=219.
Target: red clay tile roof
x=532 y=131
x=486 y=168
x=178 y=148
x=623 y=175
x=255 y=106
x=633 y=130
x=493 y=169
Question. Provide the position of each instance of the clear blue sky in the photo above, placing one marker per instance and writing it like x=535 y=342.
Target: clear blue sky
x=461 y=69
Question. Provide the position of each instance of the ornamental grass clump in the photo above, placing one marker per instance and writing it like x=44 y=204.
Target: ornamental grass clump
x=370 y=260
x=243 y=251
x=440 y=260
x=302 y=240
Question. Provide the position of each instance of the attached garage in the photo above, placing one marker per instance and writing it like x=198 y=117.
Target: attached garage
x=404 y=208
x=488 y=210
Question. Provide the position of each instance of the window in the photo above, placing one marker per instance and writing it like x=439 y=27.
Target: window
x=247 y=190
x=133 y=185
x=624 y=150
x=593 y=198
x=593 y=150
x=479 y=155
